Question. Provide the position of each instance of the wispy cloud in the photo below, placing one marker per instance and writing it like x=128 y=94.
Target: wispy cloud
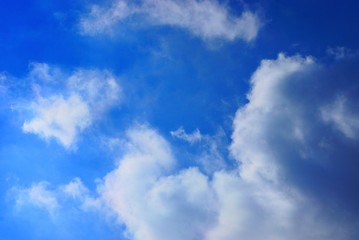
x=340 y=53
x=205 y=19
x=193 y=137
x=209 y=155
x=52 y=199
x=341 y=116
x=38 y=195
x=2 y=80
x=76 y=189
x=59 y=118
x=67 y=104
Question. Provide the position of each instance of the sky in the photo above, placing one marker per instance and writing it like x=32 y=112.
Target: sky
x=179 y=119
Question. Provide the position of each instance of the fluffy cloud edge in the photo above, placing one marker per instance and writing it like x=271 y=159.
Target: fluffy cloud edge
x=156 y=201
x=65 y=105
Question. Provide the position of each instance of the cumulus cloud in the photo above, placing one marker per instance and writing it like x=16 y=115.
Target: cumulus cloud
x=205 y=19
x=155 y=201
x=151 y=202
x=251 y=145
x=193 y=137
x=64 y=113
x=300 y=125
x=264 y=210
x=152 y=205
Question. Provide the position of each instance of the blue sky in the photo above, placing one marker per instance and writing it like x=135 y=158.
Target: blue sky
x=168 y=119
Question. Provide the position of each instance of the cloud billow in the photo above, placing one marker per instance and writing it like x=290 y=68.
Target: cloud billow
x=292 y=153
x=155 y=201
x=301 y=124
x=295 y=144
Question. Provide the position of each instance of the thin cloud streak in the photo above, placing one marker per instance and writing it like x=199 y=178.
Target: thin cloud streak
x=205 y=19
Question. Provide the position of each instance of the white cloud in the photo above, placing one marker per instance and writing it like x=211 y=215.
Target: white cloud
x=99 y=89
x=54 y=199
x=43 y=72
x=282 y=138
x=101 y=20
x=340 y=53
x=256 y=211
x=80 y=194
x=290 y=115
x=68 y=105
x=284 y=126
x=209 y=155
x=340 y=115
x=154 y=202
x=193 y=137
x=251 y=145
x=59 y=118
x=75 y=189
x=268 y=80
x=206 y=19
x=38 y=195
